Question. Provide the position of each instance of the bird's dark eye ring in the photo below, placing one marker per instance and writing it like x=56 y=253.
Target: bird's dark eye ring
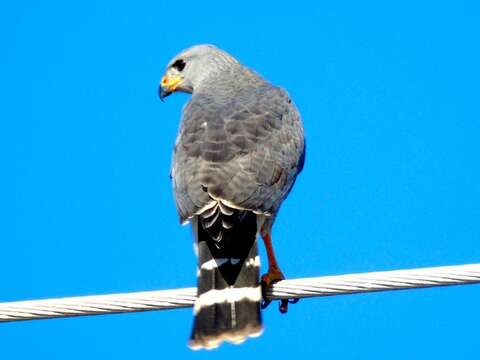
x=179 y=64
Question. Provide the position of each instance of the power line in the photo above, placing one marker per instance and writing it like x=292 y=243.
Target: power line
x=292 y=289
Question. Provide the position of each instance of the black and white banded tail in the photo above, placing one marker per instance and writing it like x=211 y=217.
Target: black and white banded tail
x=229 y=294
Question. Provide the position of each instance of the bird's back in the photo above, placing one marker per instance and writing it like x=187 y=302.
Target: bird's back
x=243 y=149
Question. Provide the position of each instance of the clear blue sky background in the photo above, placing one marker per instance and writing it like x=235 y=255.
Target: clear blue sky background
x=390 y=100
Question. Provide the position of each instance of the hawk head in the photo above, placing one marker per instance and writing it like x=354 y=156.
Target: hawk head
x=188 y=70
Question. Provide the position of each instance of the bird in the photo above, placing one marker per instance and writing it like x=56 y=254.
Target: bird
x=239 y=149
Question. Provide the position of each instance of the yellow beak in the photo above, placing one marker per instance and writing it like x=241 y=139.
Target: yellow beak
x=168 y=85
x=170 y=82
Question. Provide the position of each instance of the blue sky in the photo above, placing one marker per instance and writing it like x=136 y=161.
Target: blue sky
x=389 y=98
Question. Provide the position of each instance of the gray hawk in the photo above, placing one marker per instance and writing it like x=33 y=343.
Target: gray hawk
x=238 y=152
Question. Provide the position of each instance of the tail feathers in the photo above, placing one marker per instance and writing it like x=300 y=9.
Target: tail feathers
x=229 y=295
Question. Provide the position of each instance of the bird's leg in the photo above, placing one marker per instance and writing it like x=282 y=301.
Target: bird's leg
x=274 y=273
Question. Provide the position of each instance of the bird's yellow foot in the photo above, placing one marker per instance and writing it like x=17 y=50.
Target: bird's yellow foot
x=272 y=276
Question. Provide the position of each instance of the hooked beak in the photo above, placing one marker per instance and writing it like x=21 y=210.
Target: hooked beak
x=168 y=86
x=163 y=93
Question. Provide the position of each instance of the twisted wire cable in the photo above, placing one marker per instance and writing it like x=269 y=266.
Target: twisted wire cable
x=286 y=289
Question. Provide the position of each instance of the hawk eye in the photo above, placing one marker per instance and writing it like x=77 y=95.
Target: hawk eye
x=179 y=64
